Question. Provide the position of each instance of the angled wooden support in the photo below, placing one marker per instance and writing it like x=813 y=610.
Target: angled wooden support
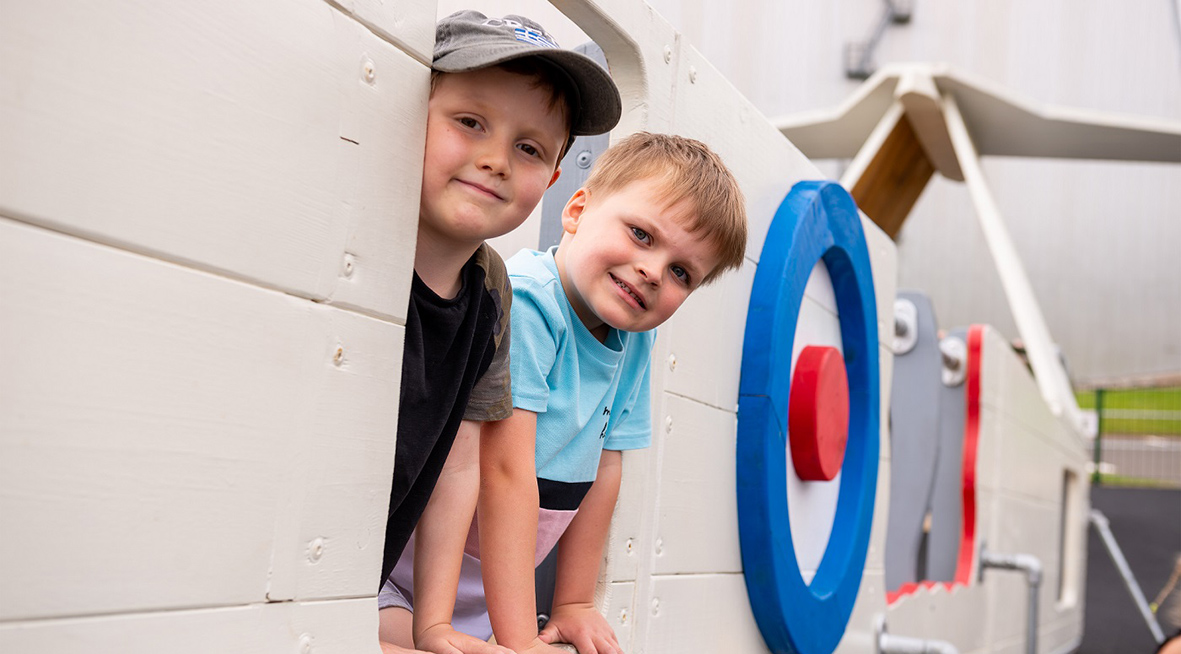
x=890 y=172
x=1047 y=366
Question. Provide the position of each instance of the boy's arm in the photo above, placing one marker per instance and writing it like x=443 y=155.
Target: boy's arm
x=439 y=540
x=507 y=515
x=575 y=619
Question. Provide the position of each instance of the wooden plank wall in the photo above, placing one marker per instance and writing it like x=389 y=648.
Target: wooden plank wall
x=206 y=236
x=206 y=219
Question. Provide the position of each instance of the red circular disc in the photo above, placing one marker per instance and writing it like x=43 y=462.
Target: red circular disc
x=818 y=413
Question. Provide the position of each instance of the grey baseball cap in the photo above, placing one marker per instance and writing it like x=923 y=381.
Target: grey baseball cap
x=468 y=40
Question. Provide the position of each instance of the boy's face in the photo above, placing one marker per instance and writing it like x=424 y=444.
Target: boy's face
x=492 y=145
x=627 y=260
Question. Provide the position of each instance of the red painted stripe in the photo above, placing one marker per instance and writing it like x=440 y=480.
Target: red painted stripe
x=963 y=571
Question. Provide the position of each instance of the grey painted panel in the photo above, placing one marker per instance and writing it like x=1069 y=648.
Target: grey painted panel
x=914 y=444
x=576 y=168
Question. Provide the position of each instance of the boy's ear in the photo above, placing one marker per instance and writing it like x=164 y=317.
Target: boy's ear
x=572 y=213
x=557 y=174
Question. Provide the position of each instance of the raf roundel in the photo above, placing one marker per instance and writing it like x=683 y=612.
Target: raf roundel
x=822 y=414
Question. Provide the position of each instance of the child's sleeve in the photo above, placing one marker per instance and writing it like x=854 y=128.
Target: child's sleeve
x=633 y=431
x=491 y=397
x=537 y=332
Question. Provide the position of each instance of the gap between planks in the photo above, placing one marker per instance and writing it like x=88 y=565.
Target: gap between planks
x=197 y=267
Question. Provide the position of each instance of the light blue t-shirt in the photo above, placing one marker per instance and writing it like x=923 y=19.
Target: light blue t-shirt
x=588 y=395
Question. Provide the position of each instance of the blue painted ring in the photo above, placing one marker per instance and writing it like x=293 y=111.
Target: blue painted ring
x=817 y=220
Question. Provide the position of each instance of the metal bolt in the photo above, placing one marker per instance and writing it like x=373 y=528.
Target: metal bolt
x=692 y=75
x=630 y=545
x=369 y=70
x=316 y=549
x=955 y=356
x=584 y=159
x=668 y=54
x=668 y=424
x=623 y=616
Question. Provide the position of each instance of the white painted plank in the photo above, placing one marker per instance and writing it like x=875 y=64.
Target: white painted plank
x=766 y=165
x=883 y=259
x=169 y=437
x=236 y=137
x=704 y=341
x=700 y=613
x=629 y=540
x=618 y=606
x=338 y=627
x=643 y=55
x=697 y=516
x=1051 y=374
x=410 y=24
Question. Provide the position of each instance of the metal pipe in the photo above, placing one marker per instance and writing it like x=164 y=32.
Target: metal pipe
x=1032 y=567
x=1103 y=526
x=1097 y=476
x=891 y=644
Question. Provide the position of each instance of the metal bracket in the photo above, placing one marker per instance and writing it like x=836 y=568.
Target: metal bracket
x=859 y=54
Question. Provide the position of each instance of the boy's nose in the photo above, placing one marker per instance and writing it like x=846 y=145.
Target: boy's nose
x=494 y=159
x=649 y=272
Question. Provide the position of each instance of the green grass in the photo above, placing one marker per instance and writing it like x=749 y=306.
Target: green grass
x=1138 y=399
x=1132 y=482
x=1134 y=398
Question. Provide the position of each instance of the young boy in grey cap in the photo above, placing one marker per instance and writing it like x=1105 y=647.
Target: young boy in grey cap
x=505 y=105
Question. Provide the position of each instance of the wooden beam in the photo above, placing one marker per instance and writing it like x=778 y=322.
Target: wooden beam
x=894 y=179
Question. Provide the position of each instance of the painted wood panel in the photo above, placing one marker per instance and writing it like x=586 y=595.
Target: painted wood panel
x=338 y=627
x=176 y=439
x=697 y=516
x=269 y=141
x=618 y=606
x=409 y=24
x=685 y=613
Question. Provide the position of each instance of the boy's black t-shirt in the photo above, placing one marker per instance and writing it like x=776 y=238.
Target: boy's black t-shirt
x=456 y=350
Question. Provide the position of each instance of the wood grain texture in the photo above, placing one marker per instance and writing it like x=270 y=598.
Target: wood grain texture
x=241 y=138
x=175 y=439
x=894 y=179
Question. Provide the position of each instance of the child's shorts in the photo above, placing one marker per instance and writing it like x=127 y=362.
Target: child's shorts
x=471 y=612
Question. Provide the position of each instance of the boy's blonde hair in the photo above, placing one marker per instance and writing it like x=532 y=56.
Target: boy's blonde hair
x=688 y=171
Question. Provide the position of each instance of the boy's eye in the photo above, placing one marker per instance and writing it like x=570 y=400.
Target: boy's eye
x=468 y=121
x=640 y=234
x=529 y=150
x=681 y=274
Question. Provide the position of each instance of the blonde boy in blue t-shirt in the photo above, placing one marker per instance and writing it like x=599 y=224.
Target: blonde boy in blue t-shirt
x=660 y=216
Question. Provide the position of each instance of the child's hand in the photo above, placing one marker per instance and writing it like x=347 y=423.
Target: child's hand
x=443 y=639
x=584 y=627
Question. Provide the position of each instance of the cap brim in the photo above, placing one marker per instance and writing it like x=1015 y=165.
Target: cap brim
x=599 y=104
